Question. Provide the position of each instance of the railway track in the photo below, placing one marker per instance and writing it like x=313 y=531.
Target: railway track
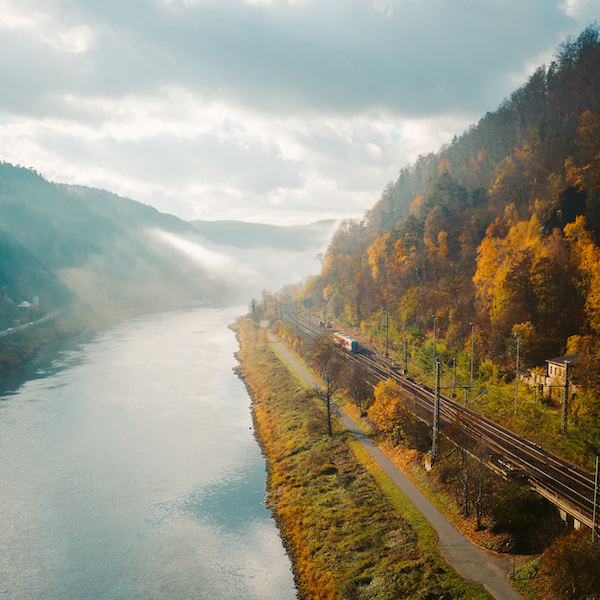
x=567 y=486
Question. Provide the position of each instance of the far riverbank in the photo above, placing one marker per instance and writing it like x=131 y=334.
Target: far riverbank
x=26 y=351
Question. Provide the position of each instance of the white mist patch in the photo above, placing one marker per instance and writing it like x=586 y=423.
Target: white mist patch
x=215 y=263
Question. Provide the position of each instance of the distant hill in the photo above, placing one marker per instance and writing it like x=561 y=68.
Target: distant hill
x=268 y=256
x=63 y=244
x=239 y=234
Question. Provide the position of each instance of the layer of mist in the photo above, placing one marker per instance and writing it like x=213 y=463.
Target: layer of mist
x=74 y=246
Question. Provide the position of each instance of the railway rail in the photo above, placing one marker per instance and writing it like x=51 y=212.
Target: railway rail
x=567 y=486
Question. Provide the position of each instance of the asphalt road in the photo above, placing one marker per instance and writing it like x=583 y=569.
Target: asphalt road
x=17 y=328
x=471 y=562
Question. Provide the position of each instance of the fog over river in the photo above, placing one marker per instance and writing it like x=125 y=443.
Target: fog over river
x=129 y=469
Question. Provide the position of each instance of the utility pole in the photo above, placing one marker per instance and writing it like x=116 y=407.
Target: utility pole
x=405 y=343
x=454 y=377
x=472 y=350
x=434 y=348
x=387 y=339
x=435 y=443
x=517 y=374
x=563 y=413
x=595 y=503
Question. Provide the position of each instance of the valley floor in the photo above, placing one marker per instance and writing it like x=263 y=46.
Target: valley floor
x=349 y=530
x=473 y=563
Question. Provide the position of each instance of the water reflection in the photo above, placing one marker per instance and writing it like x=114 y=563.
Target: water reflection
x=230 y=503
x=131 y=472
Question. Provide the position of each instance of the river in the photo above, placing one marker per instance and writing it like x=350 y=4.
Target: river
x=129 y=470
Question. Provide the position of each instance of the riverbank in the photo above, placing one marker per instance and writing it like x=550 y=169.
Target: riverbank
x=349 y=534
x=23 y=352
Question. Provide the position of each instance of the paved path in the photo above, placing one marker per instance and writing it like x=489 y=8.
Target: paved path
x=470 y=561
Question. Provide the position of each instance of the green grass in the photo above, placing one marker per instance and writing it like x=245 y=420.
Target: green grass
x=426 y=536
x=350 y=532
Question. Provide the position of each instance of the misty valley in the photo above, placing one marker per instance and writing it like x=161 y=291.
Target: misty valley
x=229 y=409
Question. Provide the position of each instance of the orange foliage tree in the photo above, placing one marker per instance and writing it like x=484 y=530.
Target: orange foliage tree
x=586 y=257
x=388 y=411
x=572 y=565
x=523 y=277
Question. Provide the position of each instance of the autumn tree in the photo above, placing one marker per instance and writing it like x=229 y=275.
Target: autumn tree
x=523 y=276
x=572 y=565
x=391 y=414
x=586 y=370
x=586 y=257
x=388 y=411
x=254 y=311
x=345 y=284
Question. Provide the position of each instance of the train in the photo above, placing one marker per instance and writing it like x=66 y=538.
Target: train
x=346 y=342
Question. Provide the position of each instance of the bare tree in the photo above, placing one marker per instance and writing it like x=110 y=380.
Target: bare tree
x=329 y=364
x=475 y=480
x=357 y=385
x=255 y=312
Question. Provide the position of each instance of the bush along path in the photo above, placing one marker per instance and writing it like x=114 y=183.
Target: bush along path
x=344 y=525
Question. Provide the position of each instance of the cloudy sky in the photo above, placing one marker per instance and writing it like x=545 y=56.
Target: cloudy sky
x=278 y=111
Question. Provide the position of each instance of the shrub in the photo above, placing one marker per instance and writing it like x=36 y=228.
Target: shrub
x=572 y=565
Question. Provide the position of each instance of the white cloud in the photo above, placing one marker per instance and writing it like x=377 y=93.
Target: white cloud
x=278 y=110
x=275 y=2
x=202 y=160
x=386 y=7
x=21 y=18
x=16 y=17
x=581 y=8
x=75 y=40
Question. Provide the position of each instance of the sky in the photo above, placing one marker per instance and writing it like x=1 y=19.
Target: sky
x=273 y=111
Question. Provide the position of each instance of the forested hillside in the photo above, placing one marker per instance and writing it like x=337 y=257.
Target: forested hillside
x=500 y=228
x=64 y=244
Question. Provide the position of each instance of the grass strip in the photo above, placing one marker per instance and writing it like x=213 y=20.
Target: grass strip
x=351 y=535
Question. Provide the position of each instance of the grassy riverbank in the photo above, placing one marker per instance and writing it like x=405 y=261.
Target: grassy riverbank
x=19 y=348
x=349 y=533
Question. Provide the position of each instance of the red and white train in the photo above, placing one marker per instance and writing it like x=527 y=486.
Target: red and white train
x=346 y=342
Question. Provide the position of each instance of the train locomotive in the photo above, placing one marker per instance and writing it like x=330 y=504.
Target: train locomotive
x=346 y=342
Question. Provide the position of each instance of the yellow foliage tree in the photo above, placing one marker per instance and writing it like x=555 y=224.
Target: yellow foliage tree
x=583 y=168
x=586 y=256
x=388 y=411
x=524 y=277
x=444 y=166
x=378 y=257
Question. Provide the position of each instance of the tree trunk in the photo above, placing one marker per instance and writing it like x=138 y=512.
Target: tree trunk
x=465 y=482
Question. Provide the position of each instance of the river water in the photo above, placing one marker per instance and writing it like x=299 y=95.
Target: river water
x=129 y=470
